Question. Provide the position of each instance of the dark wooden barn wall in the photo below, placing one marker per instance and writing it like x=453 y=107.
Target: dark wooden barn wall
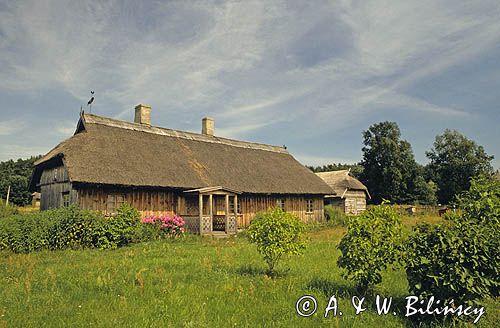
x=54 y=183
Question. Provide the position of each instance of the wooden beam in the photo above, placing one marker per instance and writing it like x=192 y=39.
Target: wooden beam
x=210 y=206
x=200 y=209
x=227 y=213
x=235 y=205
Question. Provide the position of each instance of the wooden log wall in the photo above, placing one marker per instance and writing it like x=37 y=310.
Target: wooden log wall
x=147 y=202
x=297 y=205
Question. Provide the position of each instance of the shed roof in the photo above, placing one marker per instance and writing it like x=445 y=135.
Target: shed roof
x=340 y=181
x=113 y=152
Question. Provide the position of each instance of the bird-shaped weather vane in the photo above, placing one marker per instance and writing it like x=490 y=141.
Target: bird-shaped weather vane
x=89 y=103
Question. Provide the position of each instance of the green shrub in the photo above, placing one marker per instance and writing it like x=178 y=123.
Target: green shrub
x=335 y=217
x=68 y=227
x=277 y=234
x=372 y=242
x=123 y=227
x=459 y=260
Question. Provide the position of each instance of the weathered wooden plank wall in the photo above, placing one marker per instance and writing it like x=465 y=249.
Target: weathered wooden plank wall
x=147 y=202
x=252 y=204
x=355 y=202
x=54 y=185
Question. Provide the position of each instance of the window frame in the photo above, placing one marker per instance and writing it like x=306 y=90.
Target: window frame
x=231 y=206
x=280 y=203
x=65 y=198
x=309 y=205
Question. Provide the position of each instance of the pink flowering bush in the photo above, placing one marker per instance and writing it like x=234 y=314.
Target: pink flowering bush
x=169 y=226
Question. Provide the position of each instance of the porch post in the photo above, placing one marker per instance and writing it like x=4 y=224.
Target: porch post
x=227 y=214
x=210 y=206
x=235 y=205
x=200 y=206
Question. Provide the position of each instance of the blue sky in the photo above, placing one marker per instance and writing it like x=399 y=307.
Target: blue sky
x=312 y=75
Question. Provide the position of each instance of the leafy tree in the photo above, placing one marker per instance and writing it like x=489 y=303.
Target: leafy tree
x=455 y=159
x=277 y=234
x=372 y=242
x=389 y=164
x=17 y=175
x=424 y=192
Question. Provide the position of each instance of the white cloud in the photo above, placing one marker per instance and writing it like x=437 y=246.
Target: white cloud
x=9 y=151
x=250 y=64
x=65 y=128
x=11 y=127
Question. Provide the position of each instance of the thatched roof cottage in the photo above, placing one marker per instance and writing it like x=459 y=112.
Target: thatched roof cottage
x=348 y=192
x=215 y=183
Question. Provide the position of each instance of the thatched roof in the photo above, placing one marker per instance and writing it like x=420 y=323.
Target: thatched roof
x=112 y=152
x=340 y=181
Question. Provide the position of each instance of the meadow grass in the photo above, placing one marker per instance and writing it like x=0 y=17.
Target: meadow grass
x=194 y=282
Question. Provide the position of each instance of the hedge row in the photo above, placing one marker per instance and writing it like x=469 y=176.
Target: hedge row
x=70 y=227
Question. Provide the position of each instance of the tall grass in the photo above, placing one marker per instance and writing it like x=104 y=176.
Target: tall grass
x=194 y=282
x=7 y=210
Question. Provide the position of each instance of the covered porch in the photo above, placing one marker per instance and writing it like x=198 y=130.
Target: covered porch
x=215 y=213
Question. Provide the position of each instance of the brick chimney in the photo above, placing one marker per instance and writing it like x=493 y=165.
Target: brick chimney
x=208 y=126
x=143 y=114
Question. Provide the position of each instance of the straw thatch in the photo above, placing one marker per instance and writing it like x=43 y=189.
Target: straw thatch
x=340 y=181
x=111 y=152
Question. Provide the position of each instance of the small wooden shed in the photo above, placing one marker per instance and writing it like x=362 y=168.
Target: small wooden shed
x=349 y=193
x=35 y=199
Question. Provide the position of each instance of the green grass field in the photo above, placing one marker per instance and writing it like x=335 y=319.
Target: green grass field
x=195 y=282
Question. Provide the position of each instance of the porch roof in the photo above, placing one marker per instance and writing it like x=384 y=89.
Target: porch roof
x=212 y=190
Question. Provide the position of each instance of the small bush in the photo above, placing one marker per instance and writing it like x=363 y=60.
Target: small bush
x=277 y=234
x=460 y=260
x=335 y=217
x=124 y=225
x=163 y=226
x=372 y=242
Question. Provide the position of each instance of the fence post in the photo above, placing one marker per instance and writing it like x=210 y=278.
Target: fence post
x=8 y=195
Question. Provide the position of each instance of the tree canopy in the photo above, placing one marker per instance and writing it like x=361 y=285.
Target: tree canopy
x=389 y=165
x=455 y=160
x=17 y=175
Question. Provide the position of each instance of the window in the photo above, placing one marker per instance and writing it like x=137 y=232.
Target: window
x=113 y=202
x=65 y=199
x=231 y=205
x=280 y=202
x=120 y=199
x=309 y=205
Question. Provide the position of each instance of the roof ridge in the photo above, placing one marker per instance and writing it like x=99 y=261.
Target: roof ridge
x=107 y=121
